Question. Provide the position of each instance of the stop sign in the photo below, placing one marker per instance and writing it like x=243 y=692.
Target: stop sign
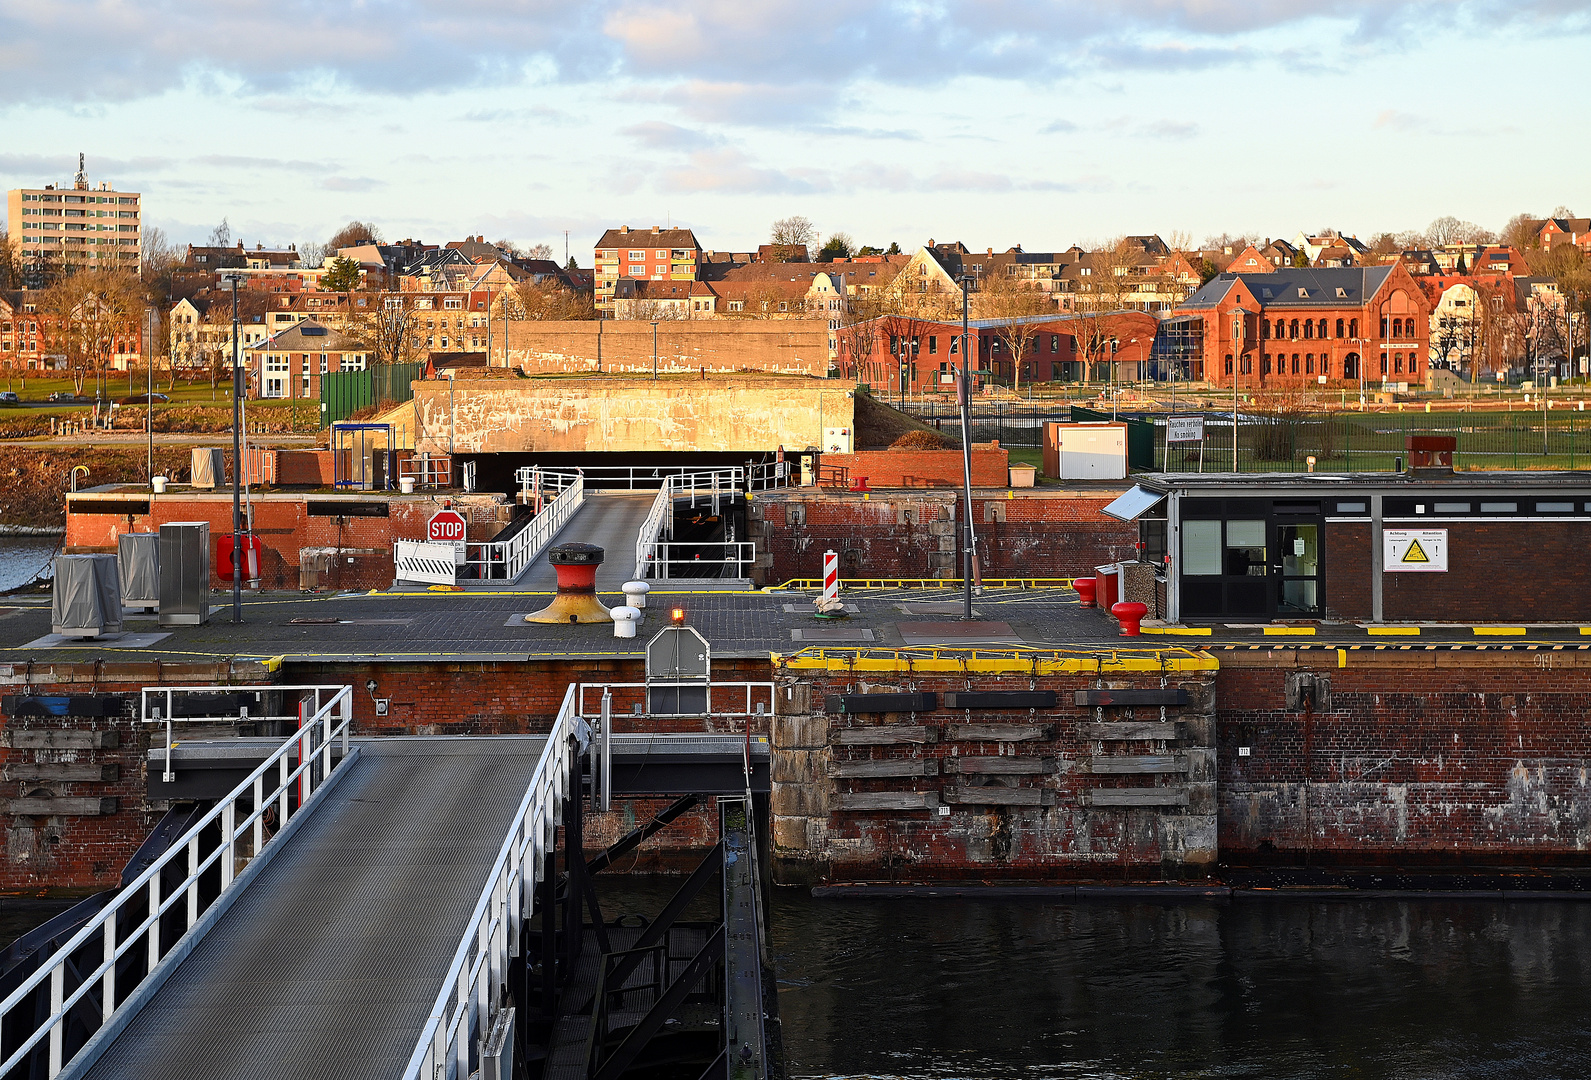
x=445 y=526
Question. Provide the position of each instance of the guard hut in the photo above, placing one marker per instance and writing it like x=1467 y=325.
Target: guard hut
x=1421 y=545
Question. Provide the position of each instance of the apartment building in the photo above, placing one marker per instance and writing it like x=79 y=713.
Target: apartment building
x=655 y=254
x=82 y=227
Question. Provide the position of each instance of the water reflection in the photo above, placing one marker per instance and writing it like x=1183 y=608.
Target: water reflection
x=975 y=989
x=25 y=558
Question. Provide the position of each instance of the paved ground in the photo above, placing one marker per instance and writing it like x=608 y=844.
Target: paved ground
x=459 y=626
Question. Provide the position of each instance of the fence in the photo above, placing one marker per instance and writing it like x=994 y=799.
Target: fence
x=1339 y=441
x=122 y=955
x=344 y=393
x=505 y=560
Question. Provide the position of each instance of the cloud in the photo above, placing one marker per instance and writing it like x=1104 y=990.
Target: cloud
x=1167 y=129
x=730 y=171
x=1058 y=127
x=352 y=183
x=658 y=135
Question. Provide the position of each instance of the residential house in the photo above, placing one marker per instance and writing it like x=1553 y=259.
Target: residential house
x=1309 y=327
x=289 y=363
x=1331 y=249
x=1565 y=230
x=200 y=330
x=23 y=342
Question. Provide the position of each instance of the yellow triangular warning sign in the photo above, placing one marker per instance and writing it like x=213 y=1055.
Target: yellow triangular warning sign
x=1416 y=553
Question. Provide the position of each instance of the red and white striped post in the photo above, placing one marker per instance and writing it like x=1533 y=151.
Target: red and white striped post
x=831 y=575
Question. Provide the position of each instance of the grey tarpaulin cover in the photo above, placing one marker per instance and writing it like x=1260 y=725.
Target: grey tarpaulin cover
x=138 y=561
x=87 y=596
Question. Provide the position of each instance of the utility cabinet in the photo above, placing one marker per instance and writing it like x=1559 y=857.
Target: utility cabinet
x=1085 y=451
x=184 y=573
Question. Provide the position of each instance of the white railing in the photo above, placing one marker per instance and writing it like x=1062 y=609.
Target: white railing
x=652 y=554
x=428 y=470
x=506 y=560
x=311 y=747
x=632 y=477
x=736 y=700
x=157 y=704
x=473 y=988
x=676 y=559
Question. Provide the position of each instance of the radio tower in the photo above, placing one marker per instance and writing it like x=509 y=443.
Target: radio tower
x=80 y=182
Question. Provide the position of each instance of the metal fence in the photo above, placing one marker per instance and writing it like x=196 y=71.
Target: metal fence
x=343 y=393
x=1339 y=441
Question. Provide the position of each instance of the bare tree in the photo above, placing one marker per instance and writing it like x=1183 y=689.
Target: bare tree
x=545 y=300
x=221 y=235
x=388 y=324
x=1019 y=305
x=10 y=262
x=792 y=238
x=92 y=316
x=539 y=251
x=354 y=234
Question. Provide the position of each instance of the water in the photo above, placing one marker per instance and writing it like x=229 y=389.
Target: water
x=24 y=558
x=1016 y=988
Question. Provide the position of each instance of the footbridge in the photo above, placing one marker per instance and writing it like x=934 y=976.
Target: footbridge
x=403 y=908
x=680 y=523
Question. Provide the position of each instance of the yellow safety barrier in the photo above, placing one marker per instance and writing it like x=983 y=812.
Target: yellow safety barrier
x=1393 y=631
x=1289 y=631
x=1177 y=631
x=993 y=660
x=1499 y=631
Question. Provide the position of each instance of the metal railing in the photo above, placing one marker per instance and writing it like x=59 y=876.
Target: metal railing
x=473 y=990
x=505 y=560
x=761 y=476
x=166 y=698
x=737 y=700
x=428 y=470
x=683 y=559
x=79 y=987
x=652 y=555
x=658 y=520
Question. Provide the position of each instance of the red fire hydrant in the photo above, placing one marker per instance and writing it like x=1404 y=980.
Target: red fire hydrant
x=1130 y=613
x=1085 y=590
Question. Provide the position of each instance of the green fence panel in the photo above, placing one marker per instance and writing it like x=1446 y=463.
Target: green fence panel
x=346 y=392
x=1140 y=435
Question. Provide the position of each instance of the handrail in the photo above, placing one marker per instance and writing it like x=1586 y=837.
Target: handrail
x=472 y=989
x=741 y=554
x=309 y=752
x=711 y=484
x=149 y=715
x=652 y=527
x=896 y=584
x=752 y=708
x=515 y=554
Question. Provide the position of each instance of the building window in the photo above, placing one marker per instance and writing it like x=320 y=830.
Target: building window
x=1266 y=366
x=1295 y=363
x=1383 y=363
x=1321 y=333
x=1309 y=328
x=1229 y=363
x=933 y=346
x=1339 y=328
x=1309 y=363
x=1397 y=363
x=1353 y=328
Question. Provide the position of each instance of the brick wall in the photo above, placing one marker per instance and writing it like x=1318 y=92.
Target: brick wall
x=925 y=468
x=285 y=527
x=891 y=534
x=820 y=833
x=1423 y=757
x=77 y=852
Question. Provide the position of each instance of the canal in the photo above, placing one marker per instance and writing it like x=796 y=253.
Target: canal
x=1300 y=990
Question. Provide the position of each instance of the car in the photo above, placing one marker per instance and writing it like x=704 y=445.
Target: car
x=9 y=398
x=144 y=399
x=64 y=396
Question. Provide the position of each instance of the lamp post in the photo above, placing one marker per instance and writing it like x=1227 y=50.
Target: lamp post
x=654 y=350
x=237 y=459
x=969 y=549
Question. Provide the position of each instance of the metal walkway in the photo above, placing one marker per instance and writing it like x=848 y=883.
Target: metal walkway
x=330 y=962
x=610 y=519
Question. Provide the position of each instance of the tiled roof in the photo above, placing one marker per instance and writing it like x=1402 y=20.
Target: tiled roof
x=646 y=238
x=1290 y=287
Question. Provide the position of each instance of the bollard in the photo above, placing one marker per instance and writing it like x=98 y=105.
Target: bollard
x=1130 y=613
x=1085 y=590
x=576 y=601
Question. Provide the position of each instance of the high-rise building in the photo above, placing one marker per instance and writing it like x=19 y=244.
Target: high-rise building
x=59 y=229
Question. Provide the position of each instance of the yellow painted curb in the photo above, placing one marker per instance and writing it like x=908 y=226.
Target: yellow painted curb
x=1499 y=631
x=1393 y=631
x=1183 y=631
x=1585 y=630
x=1289 y=631
x=992 y=661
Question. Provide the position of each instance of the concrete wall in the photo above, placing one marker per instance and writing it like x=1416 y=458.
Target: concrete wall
x=894 y=534
x=792 y=347
x=627 y=415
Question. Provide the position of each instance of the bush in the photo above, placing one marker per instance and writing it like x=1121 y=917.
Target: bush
x=919 y=440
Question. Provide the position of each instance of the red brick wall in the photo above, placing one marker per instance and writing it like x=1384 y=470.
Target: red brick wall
x=1423 y=758
x=925 y=468
x=1348 y=576
x=312 y=468
x=898 y=535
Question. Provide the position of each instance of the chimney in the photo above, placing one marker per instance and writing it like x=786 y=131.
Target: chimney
x=624 y=228
x=656 y=229
x=991 y=251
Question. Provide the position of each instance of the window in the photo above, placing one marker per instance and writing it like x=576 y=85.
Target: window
x=1266 y=367
x=1499 y=508
x=1554 y=508
x=1303 y=294
x=324 y=363
x=1450 y=508
x=1321 y=331
x=1055 y=343
x=1397 y=363
x=1339 y=328
x=1383 y=326
x=453 y=303
x=637 y=256
x=1201 y=547
x=1353 y=328
x=1309 y=328
x=933 y=345
x=1295 y=363
x=1293 y=330
x=1309 y=363
x=1383 y=363
x=1229 y=363
x=955 y=345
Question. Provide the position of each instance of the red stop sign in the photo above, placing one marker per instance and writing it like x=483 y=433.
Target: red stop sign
x=446 y=526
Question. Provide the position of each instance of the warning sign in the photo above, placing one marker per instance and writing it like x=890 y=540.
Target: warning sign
x=1414 y=550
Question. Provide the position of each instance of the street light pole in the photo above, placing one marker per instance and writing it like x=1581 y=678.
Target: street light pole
x=237 y=462
x=969 y=549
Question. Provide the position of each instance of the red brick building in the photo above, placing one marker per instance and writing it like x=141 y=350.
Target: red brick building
x=886 y=351
x=1308 y=327
x=655 y=254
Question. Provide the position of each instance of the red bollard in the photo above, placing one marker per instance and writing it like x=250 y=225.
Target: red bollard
x=1130 y=613
x=1085 y=590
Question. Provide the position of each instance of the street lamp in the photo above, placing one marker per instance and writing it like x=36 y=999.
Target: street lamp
x=969 y=550
x=237 y=458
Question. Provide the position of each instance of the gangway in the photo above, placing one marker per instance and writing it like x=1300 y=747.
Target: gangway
x=386 y=908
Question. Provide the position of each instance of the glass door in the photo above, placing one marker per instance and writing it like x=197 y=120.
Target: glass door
x=1296 y=566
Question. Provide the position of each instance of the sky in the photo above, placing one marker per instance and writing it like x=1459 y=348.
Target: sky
x=1041 y=123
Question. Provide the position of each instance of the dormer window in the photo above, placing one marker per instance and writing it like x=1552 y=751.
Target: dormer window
x=1342 y=294
x=1303 y=294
